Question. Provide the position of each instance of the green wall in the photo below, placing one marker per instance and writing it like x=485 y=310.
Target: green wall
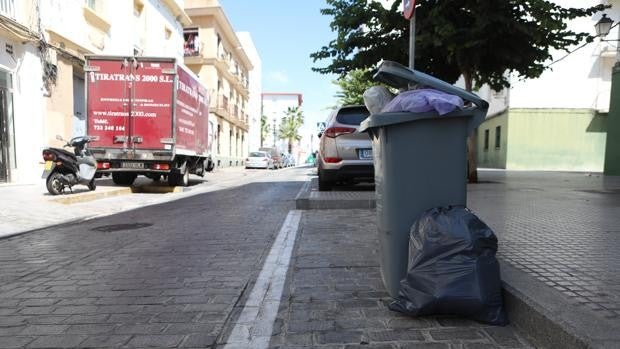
x=492 y=156
x=556 y=140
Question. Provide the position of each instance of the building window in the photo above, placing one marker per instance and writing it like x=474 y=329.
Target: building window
x=498 y=136
x=219 y=134
x=230 y=139
x=191 y=42
x=7 y=8
x=486 y=139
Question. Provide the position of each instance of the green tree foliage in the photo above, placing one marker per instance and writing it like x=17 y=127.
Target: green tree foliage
x=289 y=127
x=353 y=85
x=479 y=39
x=482 y=40
x=264 y=129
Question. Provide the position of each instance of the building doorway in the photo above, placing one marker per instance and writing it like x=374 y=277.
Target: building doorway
x=7 y=152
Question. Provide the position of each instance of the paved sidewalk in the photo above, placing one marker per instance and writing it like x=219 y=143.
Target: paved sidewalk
x=334 y=297
x=29 y=207
x=559 y=237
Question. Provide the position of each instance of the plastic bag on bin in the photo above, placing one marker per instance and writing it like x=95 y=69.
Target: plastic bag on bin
x=376 y=97
x=452 y=268
x=424 y=100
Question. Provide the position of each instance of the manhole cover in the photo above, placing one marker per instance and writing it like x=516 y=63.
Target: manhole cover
x=119 y=227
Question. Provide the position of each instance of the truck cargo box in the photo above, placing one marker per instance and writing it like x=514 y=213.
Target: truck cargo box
x=147 y=116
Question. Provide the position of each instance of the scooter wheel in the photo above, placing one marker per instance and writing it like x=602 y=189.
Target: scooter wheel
x=54 y=184
x=92 y=185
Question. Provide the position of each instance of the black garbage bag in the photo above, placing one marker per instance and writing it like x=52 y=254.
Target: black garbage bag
x=452 y=268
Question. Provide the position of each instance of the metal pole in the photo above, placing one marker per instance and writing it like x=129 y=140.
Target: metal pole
x=412 y=42
x=274 y=132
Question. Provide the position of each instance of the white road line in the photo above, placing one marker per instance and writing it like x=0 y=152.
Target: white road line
x=254 y=326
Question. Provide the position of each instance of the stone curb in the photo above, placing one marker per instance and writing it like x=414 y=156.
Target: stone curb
x=550 y=320
x=305 y=200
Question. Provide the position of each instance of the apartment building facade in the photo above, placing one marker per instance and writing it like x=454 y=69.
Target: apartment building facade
x=42 y=66
x=213 y=52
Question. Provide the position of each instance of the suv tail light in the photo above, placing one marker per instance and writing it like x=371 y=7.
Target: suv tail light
x=332 y=160
x=334 y=132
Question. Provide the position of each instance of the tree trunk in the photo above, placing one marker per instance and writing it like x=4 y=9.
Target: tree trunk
x=290 y=147
x=472 y=141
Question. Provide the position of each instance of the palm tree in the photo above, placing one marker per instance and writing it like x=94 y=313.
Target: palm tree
x=289 y=128
x=264 y=129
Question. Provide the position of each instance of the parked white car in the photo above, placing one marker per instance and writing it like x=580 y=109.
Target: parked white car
x=259 y=159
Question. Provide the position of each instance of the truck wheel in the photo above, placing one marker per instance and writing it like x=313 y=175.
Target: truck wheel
x=54 y=184
x=125 y=179
x=92 y=185
x=172 y=179
x=184 y=178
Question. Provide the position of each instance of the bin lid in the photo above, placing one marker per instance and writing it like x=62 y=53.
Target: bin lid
x=399 y=76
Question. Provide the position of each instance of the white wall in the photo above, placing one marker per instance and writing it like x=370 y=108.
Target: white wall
x=582 y=79
x=255 y=78
x=274 y=107
x=28 y=109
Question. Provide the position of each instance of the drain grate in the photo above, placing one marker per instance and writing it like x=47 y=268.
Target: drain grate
x=119 y=227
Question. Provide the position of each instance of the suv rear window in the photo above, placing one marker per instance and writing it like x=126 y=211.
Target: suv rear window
x=258 y=154
x=352 y=115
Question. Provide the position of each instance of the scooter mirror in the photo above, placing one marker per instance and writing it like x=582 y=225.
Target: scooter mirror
x=58 y=137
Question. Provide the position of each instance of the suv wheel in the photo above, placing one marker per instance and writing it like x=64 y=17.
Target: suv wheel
x=323 y=184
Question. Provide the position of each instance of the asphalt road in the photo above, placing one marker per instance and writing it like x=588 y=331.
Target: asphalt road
x=169 y=275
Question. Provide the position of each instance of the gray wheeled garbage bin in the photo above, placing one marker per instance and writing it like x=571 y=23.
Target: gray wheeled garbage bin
x=420 y=162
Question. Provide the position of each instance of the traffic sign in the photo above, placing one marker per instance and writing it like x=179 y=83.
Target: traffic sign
x=408 y=8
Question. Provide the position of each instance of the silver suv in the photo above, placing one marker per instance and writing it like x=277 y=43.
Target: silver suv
x=344 y=154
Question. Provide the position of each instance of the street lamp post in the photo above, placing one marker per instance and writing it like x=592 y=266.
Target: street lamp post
x=612 y=143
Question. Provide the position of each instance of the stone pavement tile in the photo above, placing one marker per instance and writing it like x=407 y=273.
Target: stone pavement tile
x=14 y=342
x=160 y=341
x=57 y=341
x=341 y=301
x=199 y=340
x=105 y=341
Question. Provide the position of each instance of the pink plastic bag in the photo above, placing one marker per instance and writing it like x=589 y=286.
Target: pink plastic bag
x=424 y=100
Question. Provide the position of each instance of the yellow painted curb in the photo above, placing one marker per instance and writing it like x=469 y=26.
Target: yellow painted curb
x=90 y=196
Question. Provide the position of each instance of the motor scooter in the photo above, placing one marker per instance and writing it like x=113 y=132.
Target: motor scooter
x=65 y=169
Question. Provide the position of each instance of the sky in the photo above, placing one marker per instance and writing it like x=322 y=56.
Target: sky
x=285 y=33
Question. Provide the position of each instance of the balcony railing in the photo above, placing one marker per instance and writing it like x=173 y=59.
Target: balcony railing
x=7 y=8
x=193 y=49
